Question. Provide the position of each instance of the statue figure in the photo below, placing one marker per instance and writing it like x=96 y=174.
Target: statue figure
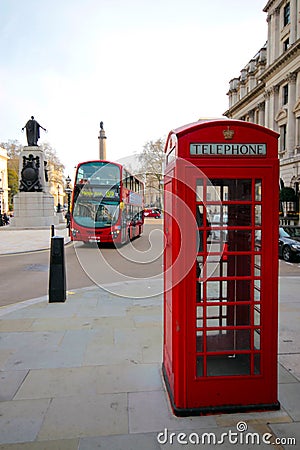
x=33 y=131
x=101 y=125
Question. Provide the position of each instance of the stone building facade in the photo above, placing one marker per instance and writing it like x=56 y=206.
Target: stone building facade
x=3 y=181
x=267 y=91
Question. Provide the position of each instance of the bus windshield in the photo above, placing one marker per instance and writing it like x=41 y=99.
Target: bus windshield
x=94 y=214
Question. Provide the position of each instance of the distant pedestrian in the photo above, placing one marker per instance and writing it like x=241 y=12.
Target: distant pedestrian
x=33 y=131
x=5 y=219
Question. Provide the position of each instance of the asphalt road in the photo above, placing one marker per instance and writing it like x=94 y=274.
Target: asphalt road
x=25 y=276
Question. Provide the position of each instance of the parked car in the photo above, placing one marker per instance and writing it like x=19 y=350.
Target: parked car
x=289 y=248
x=152 y=212
x=293 y=231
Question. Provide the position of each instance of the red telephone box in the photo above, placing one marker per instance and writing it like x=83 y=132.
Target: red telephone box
x=221 y=267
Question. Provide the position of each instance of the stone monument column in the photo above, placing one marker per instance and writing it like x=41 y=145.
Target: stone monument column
x=102 y=143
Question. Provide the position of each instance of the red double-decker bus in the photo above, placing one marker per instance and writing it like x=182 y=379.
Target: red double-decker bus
x=107 y=204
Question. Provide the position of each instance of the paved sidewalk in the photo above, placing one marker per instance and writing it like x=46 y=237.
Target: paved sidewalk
x=86 y=374
x=17 y=240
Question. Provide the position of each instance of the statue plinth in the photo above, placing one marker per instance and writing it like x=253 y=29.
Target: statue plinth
x=33 y=210
x=33 y=205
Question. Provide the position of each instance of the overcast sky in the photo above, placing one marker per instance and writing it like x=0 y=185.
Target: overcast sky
x=142 y=67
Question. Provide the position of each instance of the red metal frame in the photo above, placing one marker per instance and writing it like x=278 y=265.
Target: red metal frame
x=125 y=229
x=220 y=315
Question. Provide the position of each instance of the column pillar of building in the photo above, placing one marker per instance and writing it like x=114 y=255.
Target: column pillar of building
x=243 y=82
x=230 y=98
x=276 y=90
x=267 y=107
x=276 y=36
x=291 y=124
x=293 y=16
x=235 y=86
x=271 y=108
x=261 y=113
x=269 y=55
x=251 y=115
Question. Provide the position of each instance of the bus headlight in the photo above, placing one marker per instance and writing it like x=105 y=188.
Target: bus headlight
x=74 y=232
x=115 y=231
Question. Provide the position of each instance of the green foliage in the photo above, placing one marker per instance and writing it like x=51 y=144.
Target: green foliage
x=13 y=185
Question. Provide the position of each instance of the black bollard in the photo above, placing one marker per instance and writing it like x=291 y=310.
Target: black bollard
x=57 y=276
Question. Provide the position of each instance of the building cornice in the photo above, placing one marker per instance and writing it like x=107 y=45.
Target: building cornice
x=292 y=52
x=246 y=99
x=269 y=72
x=271 y=3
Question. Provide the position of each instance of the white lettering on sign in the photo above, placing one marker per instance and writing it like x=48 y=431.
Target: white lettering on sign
x=228 y=149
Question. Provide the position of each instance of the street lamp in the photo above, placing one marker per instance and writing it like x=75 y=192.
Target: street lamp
x=58 y=198
x=68 y=191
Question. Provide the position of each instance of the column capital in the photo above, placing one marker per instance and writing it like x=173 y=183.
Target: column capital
x=291 y=77
x=277 y=11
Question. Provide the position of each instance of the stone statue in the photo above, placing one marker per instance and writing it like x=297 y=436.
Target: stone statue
x=33 y=131
x=101 y=125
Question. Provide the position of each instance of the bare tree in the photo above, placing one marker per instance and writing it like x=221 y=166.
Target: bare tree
x=151 y=161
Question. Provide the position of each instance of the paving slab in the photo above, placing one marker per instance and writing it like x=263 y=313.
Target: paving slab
x=292 y=363
x=285 y=375
x=29 y=349
x=58 y=382
x=38 y=350
x=64 y=382
x=255 y=417
x=20 y=421
x=62 y=444
x=103 y=353
x=83 y=415
x=288 y=433
x=10 y=382
x=129 y=378
x=150 y=412
x=125 y=442
x=289 y=397
x=16 y=325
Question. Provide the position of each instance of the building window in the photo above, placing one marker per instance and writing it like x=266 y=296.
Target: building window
x=283 y=138
x=285 y=94
x=298 y=134
x=286 y=15
x=286 y=45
